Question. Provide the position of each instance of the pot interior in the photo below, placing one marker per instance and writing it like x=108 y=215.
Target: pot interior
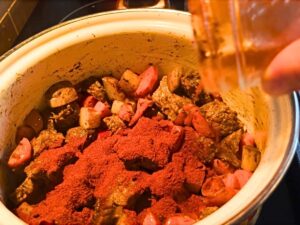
x=112 y=42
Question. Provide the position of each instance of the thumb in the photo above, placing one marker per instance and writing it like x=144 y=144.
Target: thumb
x=283 y=74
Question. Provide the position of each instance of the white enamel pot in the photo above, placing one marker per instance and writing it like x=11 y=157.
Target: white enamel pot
x=113 y=41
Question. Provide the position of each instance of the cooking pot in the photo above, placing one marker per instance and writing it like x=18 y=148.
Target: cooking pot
x=113 y=41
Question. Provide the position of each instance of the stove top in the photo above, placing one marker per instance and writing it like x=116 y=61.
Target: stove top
x=282 y=208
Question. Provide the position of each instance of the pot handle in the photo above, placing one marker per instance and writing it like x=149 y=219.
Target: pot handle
x=158 y=4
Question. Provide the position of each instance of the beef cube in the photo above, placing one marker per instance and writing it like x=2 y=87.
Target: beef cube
x=140 y=150
x=112 y=89
x=23 y=191
x=221 y=118
x=194 y=172
x=202 y=147
x=79 y=137
x=97 y=90
x=169 y=181
x=168 y=102
x=129 y=82
x=47 y=139
x=123 y=193
x=114 y=123
x=228 y=148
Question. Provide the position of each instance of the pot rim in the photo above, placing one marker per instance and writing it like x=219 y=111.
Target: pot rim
x=294 y=99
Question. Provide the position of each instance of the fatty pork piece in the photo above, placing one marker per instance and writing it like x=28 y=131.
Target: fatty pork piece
x=202 y=147
x=45 y=171
x=168 y=102
x=149 y=145
x=221 y=118
x=128 y=190
x=228 y=148
x=66 y=116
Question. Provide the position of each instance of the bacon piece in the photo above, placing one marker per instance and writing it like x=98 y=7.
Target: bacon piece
x=142 y=105
x=102 y=109
x=148 y=81
x=21 y=154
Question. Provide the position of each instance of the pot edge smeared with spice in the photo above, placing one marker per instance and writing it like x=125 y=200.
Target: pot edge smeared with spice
x=130 y=151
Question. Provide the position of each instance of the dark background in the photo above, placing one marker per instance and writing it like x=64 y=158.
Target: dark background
x=283 y=206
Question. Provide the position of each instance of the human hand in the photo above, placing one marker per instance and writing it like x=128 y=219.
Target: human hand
x=283 y=74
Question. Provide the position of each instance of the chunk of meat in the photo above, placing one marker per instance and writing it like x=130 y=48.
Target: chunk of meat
x=228 y=148
x=23 y=192
x=169 y=103
x=180 y=220
x=34 y=120
x=112 y=89
x=89 y=118
x=148 y=145
x=160 y=181
x=202 y=147
x=66 y=116
x=79 y=137
x=194 y=172
x=150 y=219
x=220 y=117
x=102 y=109
x=47 y=139
x=250 y=158
x=142 y=105
x=116 y=106
x=97 y=91
x=126 y=190
x=24 y=132
x=114 y=123
x=61 y=93
x=148 y=80
x=129 y=82
x=21 y=155
x=190 y=82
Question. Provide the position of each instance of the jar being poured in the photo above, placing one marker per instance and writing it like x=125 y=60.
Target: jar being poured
x=237 y=40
